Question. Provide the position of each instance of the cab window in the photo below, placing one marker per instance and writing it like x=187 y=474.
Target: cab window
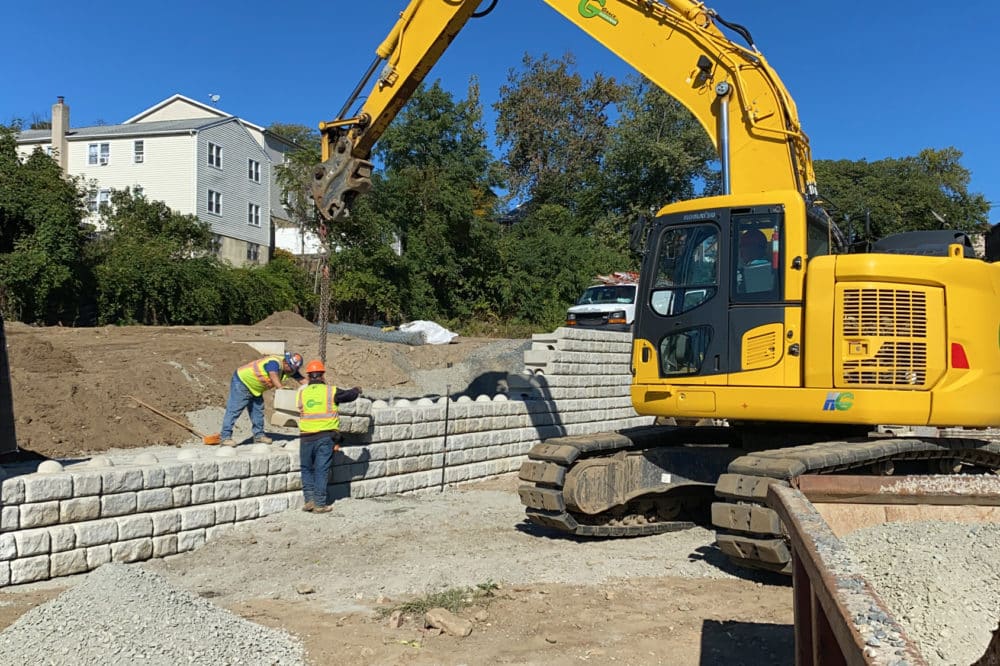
x=687 y=269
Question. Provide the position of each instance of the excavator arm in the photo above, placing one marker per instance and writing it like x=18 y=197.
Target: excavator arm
x=677 y=44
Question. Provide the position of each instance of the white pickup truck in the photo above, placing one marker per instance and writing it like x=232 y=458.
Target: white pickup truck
x=609 y=305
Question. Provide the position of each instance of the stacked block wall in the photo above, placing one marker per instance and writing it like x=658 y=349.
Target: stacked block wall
x=137 y=506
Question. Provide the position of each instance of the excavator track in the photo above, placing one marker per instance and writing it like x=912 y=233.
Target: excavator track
x=751 y=534
x=548 y=471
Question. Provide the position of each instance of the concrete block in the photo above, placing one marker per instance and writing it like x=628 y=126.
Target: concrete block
x=165 y=545
x=247 y=509
x=29 y=569
x=153 y=477
x=227 y=490
x=277 y=484
x=194 y=517
x=179 y=474
x=32 y=542
x=47 y=487
x=294 y=456
x=293 y=481
x=135 y=550
x=273 y=504
x=118 y=504
x=98 y=555
x=284 y=399
x=12 y=491
x=121 y=480
x=166 y=522
x=202 y=493
x=134 y=527
x=233 y=468
x=68 y=563
x=8 y=547
x=95 y=533
x=62 y=537
x=203 y=471
x=217 y=531
x=79 y=508
x=4 y=574
x=182 y=495
x=156 y=499
x=258 y=464
x=190 y=540
x=278 y=463
x=255 y=485
x=39 y=515
x=225 y=512
x=284 y=419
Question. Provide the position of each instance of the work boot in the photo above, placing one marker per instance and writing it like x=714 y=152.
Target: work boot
x=309 y=506
x=228 y=442
x=262 y=439
x=326 y=508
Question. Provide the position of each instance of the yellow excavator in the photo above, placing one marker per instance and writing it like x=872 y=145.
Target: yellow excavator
x=749 y=313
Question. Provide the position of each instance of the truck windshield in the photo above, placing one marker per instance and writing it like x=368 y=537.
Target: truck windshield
x=608 y=294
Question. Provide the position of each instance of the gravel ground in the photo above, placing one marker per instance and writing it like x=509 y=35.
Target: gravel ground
x=120 y=614
x=940 y=579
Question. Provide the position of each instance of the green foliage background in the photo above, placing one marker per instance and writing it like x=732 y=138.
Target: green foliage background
x=483 y=242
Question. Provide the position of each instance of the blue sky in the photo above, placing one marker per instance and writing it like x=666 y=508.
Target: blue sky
x=871 y=80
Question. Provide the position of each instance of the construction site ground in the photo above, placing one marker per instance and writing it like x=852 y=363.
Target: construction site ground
x=667 y=599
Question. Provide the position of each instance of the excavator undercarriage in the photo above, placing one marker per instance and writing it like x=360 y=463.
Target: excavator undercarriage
x=645 y=481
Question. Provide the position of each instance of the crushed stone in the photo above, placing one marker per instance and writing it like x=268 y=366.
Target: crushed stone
x=123 y=614
x=940 y=579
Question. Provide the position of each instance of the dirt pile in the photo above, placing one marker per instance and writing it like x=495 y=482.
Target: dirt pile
x=285 y=319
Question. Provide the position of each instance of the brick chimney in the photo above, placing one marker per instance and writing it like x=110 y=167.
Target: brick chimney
x=60 y=128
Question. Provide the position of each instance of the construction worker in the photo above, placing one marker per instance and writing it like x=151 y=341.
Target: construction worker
x=319 y=433
x=246 y=391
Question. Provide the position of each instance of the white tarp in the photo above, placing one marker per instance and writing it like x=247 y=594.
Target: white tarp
x=434 y=334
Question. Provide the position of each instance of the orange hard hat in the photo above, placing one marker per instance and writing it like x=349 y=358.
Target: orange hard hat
x=315 y=366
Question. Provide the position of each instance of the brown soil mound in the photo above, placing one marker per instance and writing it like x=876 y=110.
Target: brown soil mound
x=38 y=355
x=285 y=319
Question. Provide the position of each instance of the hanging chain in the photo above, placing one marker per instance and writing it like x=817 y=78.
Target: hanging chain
x=323 y=317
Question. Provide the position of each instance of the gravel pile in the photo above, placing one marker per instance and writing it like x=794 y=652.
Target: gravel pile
x=940 y=579
x=121 y=614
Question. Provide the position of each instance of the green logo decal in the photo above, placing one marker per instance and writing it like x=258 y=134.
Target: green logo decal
x=592 y=8
x=311 y=402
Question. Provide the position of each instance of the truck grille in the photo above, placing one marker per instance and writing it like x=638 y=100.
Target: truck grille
x=893 y=324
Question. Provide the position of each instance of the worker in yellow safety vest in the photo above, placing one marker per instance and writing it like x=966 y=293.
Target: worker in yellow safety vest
x=246 y=391
x=319 y=433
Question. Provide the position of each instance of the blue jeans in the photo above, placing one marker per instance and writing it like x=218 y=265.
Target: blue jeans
x=315 y=457
x=240 y=398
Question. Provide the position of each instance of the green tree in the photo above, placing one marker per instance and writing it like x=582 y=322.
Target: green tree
x=41 y=241
x=436 y=194
x=926 y=191
x=554 y=127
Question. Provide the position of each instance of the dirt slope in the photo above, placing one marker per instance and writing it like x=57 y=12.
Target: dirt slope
x=71 y=385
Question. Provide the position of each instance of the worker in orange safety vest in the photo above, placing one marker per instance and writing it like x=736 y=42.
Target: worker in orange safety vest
x=319 y=433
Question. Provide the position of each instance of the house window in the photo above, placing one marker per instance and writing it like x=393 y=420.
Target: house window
x=216 y=244
x=98 y=201
x=48 y=150
x=215 y=155
x=253 y=171
x=253 y=215
x=215 y=202
x=139 y=151
x=253 y=251
x=98 y=153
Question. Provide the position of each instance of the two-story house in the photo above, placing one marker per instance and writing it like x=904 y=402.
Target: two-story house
x=195 y=158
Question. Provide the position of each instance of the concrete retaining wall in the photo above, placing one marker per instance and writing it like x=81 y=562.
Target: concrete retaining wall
x=62 y=520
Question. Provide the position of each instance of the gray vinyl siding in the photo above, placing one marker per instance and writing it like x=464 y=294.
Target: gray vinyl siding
x=276 y=149
x=234 y=184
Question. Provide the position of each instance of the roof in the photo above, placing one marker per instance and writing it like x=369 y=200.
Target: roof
x=204 y=107
x=160 y=127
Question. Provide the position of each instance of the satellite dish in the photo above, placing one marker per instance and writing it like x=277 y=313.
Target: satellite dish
x=215 y=98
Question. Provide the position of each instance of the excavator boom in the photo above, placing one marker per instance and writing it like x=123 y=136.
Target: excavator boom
x=677 y=44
